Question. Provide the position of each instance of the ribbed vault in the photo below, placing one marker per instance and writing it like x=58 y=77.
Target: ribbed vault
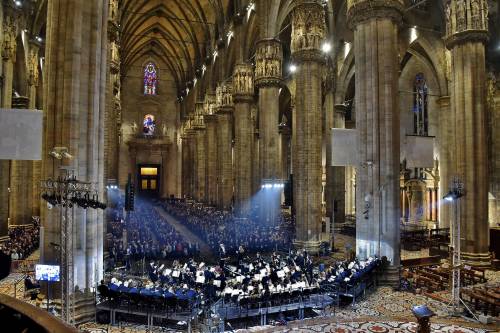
x=181 y=32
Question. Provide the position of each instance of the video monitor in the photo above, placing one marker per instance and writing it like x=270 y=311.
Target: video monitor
x=49 y=273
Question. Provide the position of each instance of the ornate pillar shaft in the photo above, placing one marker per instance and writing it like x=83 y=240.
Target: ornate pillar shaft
x=8 y=57
x=243 y=90
x=224 y=146
x=308 y=32
x=33 y=81
x=268 y=63
x=446 y=143
x=338 y=173
x=467 y=33
x=74 y=104
x=201 y=158
x=375 y=25
x=191 y=163
x=185 y=160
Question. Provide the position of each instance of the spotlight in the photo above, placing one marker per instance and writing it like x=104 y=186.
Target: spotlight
x=18 y=3
x=292 y=68
x=326 y=47
x=39 y=39
x=55 y=154
x=67 y=155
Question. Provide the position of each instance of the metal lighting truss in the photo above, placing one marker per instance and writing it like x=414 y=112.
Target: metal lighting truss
x=64 y=191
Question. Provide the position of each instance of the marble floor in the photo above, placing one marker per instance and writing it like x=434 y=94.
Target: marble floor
x=383 y=310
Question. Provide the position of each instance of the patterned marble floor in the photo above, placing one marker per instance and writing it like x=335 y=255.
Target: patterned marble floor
x=384 y=310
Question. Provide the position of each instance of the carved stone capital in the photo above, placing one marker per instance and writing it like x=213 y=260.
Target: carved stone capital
x=210 y=118
x=341 y=109
x=198 y=121
x=466 y=36
x=466 y=20
x=9 y=38
x=243 y=82
x=268 y=62
x=209 y=105
x=444 y=101
x=359 y=11
x=224 y=94
x=308 y=55
x=308 y=26
x=225 y=109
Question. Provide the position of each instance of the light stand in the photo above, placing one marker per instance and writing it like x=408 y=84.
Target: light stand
x=67 y=193
x=453 y=196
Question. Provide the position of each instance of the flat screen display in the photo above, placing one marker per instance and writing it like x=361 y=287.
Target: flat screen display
x=47 y=273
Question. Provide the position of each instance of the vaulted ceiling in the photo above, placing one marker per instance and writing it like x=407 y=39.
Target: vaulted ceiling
x=180 y=32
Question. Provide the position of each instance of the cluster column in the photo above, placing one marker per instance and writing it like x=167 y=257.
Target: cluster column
x=200 y=153
x=74 y=104
x=308 y=32
x=211 y=148
x=467 y=33
x=33 y=81
x=375 y=25
x=268 y=63
x=445 y=156
x=8 y=58
x=224 y=146
x=243 y=90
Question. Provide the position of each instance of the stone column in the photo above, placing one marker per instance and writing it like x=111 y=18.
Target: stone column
x=211 y=149
x=284 y=151
x=338 y=173
x=185 y=160
x=329 y=114
x=33 y=81
x=164 y=171
x=224 y=146
x=200 y=153
x=308 y=32
x=25 y=175
x=268 y=63
x=256 y=180
x=445 y=136
x=494 y=103
x=243 y=91
x=375 y=25
x=191 y=162
x=8 y=57
x=467 y=33
x=74 y=105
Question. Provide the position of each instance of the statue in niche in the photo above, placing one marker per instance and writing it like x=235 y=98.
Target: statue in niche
x=461 y=20
x=164 y=130
x=134 y=127
x=476 y=19
x=448 y=18
x=486 y=11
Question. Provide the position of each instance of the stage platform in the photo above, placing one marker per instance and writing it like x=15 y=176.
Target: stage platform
x=233 y=311
x=150 y=314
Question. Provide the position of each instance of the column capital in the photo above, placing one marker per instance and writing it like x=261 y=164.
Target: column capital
x=9 y=38
x=224 y=95
x=443 y=101
x=198 y=121
x=341 y=109
x=359 y=11
x=243 y=83
x=308 y=30
x=466 y=21
x=209 y=104
x=268 y=62
x=33 y=74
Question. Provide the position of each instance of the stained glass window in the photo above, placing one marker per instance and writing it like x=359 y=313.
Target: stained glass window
x=150 y=79
x=149 y=125
x=420 y=112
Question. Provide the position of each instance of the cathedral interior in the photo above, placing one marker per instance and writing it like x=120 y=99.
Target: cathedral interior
x=250 y=165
